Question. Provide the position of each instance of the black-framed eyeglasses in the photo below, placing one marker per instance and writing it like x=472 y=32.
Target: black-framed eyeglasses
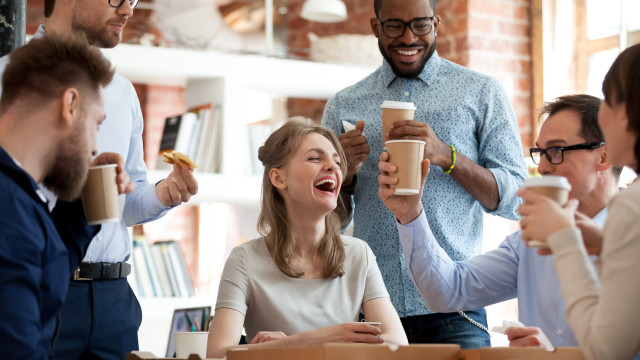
x=555 y=154
x=117 y=3
x=395 y=28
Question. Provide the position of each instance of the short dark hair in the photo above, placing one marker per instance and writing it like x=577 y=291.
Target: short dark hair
x=377 y=4
x=48 y=7
x=46 y=67
x=587 y=105
x=622 y=85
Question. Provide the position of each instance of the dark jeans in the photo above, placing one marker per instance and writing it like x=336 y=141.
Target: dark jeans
x=447 y=328
x=99 y=320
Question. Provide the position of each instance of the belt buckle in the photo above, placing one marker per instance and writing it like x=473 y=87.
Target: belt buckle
x=76 y=275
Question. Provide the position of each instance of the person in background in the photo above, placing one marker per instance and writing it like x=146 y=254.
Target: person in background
x=601 y=301
x=472 y=141
x=302 y=283
x=101 y=315
x=570 y=144
x=48 y=125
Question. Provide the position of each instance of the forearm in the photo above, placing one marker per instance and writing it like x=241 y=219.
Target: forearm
x=448 y=286
x=294 y=341
x=477 y=180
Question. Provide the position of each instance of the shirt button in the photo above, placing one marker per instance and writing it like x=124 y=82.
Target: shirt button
x=406 y=93
x=99 y=237
x=559 y=332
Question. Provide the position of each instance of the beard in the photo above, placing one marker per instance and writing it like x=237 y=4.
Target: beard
x=407 y=73
x=97 y=36
x=69 y=172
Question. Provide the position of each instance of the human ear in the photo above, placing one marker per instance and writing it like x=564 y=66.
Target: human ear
x=604 y=163
x=70 y=106
x=277 y=178
x=436 y=25
x=374 y=26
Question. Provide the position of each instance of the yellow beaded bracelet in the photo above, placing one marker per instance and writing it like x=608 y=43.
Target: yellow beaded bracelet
x=453 y=159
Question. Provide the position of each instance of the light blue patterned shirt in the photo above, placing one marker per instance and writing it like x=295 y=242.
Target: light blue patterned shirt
x=467 y=109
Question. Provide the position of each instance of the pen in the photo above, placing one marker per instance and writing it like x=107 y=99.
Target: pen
x=189 y=323
x=205 y=316
x=196 y=326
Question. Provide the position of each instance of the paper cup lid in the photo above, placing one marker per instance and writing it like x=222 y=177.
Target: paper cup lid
x=547 y=181
x=398 y=105
x=103 y=166
x=404 y=141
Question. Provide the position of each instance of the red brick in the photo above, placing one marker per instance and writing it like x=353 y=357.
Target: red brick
x=519 y=30
x=501 y=8
x=480 y=25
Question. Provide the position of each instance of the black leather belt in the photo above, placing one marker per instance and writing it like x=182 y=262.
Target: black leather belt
x=101 y=271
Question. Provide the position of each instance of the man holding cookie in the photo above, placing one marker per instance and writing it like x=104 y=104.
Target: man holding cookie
x=101 y=315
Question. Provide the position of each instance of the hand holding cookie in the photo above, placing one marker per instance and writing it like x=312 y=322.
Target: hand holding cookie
x=179 y=158
x=180 y=185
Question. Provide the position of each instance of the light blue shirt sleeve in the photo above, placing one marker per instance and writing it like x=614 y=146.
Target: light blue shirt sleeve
x=447 y=285
x=142 y=205
x=498 y=134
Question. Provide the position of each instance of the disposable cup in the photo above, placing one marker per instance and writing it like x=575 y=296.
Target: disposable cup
x=393 y=111
x=100 y=195
x=551 y=186
x=191 y=342
x=407 y=156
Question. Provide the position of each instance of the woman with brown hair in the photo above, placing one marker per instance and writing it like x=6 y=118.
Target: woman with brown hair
x=302 y=283
x=602 y=305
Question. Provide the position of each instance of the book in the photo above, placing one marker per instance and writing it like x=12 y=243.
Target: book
x=165 y=285
x=143 y=279
x=180 y=268
x=171 y=274
x=176 y=136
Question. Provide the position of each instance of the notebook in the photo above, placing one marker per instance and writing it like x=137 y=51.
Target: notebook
x=187 y=320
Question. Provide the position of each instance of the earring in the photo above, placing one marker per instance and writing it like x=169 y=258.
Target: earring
x=283 y=186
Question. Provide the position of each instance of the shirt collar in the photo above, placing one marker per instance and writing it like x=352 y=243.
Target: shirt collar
x=12 y=169
x=40 y=32
x=428 y=74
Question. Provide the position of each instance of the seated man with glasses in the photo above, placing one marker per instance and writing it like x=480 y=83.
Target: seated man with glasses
x=573 y=145
x=472 y=141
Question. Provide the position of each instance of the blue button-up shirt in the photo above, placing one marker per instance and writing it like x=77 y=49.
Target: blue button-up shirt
x=469 y=110
x=511 y=270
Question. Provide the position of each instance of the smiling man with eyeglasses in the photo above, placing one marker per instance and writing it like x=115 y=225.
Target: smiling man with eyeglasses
x=472 y=140
x=101 y=315
x=514 y=270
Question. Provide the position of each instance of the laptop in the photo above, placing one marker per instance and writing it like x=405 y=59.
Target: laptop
x=187 y=320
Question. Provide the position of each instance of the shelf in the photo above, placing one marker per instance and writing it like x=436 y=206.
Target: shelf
x=239 y=190
x=284 y=77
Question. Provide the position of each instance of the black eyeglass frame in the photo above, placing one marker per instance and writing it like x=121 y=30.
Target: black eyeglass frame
x=405 y=24
x=121 y=2
x=584 y=146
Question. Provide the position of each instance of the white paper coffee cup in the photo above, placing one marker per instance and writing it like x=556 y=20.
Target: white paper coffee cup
x=551 y=186
x=191 y=342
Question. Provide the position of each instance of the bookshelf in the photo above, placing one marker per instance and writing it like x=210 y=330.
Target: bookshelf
x=231 y=198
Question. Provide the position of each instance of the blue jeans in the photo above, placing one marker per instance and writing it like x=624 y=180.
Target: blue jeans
x=448 y=328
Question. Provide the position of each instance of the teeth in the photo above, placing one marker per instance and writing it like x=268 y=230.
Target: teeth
x=323 y=181
x=407 y=52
